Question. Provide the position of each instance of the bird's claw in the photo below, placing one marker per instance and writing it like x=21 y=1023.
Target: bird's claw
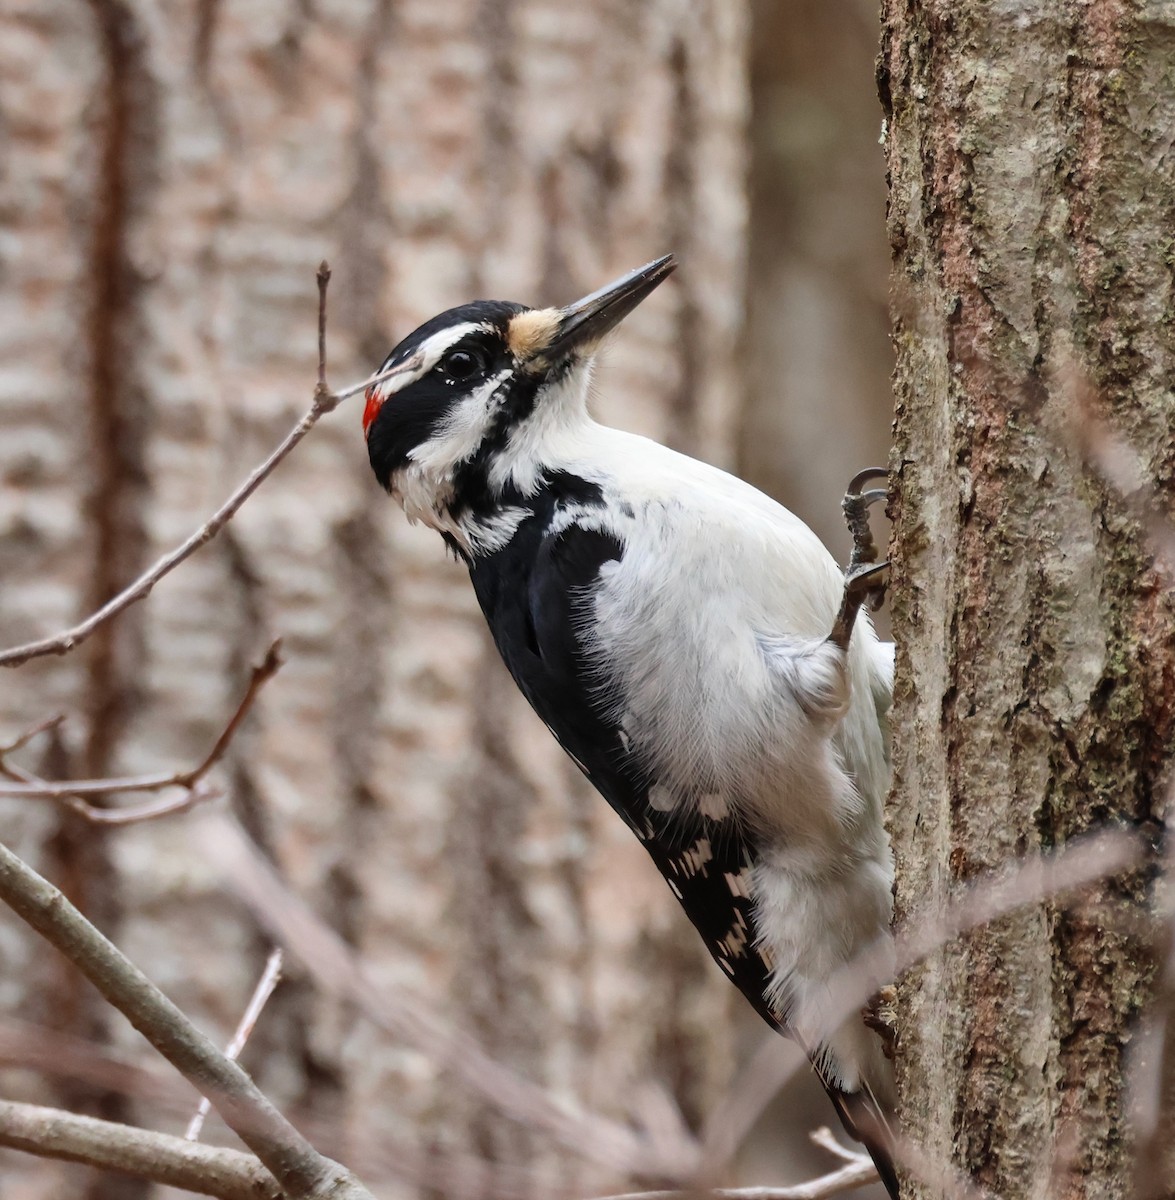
x=866 y=578
x=855 y=506
x=864 y=583
x=880 y=1015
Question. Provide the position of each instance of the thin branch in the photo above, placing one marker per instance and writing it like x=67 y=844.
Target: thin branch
x=338 y=972
x=858 y=1171
x=261 y=993
x=57 y=1054
x=149 y=810
x=71 y=790
x=325 y=401
x=323 y=278
x=159 y=1157
x=297 y=1166
x=33 y=731
x=1123 y=470
x=1029 y=881
x=731 y=1120
x=844 y=1179
x=827 y=1140
x=169 y=1096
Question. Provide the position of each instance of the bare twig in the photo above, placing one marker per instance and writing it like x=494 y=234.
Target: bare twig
x=160 y=1157
x=370 y=1152
x=844 y=1179
x=33 y=731
x=62 y=1055
x=827 y=1140
x=337 y=972
x=71 y=791
x=731 y=1120
x=261 y=993
x=323 y=278
x=297 y=1166
x=325 y=401
x=1029 y=881
x=149 y=810
x=1122 y=469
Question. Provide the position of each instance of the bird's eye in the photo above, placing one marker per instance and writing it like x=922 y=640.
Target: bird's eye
x=460 y=365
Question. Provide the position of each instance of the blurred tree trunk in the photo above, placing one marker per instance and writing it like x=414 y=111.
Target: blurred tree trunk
x=171 y=176
x=1031 y=209
x=818 y=354
x=817 y=349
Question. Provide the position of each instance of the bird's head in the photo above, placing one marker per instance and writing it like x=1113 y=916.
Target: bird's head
x=473 y=393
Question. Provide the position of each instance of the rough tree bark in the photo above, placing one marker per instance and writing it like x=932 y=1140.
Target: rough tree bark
x=1031 y=212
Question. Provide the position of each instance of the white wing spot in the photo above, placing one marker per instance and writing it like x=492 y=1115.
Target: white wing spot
x=735 y=942
x=739 y=884
x=713 y=805
x=661 y=798
x=694 y=861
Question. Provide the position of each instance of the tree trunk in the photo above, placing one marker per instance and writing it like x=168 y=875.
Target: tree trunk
x=172 y=176
x=1031 y=208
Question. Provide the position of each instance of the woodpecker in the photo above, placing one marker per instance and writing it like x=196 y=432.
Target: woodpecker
x=691 y=644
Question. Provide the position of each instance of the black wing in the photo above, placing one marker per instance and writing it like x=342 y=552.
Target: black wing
x=532 y=593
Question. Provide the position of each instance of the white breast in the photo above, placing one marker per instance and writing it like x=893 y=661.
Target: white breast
x=712 y=629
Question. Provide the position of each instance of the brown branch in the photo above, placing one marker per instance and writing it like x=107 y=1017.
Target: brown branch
x=1122 y=470
x=269 y=980
x=297 y=1166
x=844 y=1179
x=325 y=401
x=457 y=1174
x=53 y=1052
x=33 y=731
x=323 y=278
x=731 y=1120
x=337 y=972
x=159 y=1157
x=71 y=791
x=1028 y=881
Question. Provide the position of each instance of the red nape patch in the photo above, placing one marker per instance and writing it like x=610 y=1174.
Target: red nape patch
x=371 y=408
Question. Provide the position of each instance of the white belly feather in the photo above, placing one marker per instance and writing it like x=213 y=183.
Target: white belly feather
x=712 y=628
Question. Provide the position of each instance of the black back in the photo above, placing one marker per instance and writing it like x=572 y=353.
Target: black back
x=532 y=592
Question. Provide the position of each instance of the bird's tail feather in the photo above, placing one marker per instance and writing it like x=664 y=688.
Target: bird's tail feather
x=867 y=1121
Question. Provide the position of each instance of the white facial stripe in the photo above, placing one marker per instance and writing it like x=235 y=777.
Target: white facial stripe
x=425 y=357
x=463 y=430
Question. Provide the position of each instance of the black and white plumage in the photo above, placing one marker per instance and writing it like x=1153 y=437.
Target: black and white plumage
x=670 y=624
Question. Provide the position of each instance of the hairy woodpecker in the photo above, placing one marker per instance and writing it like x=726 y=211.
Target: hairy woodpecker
x=690 y=643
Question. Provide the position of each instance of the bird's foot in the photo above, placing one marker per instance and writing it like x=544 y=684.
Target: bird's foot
x=880 y=1015
x=866 y=578
x=855 y=506
x=864 y=583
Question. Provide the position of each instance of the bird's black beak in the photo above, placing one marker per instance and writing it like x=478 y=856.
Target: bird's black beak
x=583 y=324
